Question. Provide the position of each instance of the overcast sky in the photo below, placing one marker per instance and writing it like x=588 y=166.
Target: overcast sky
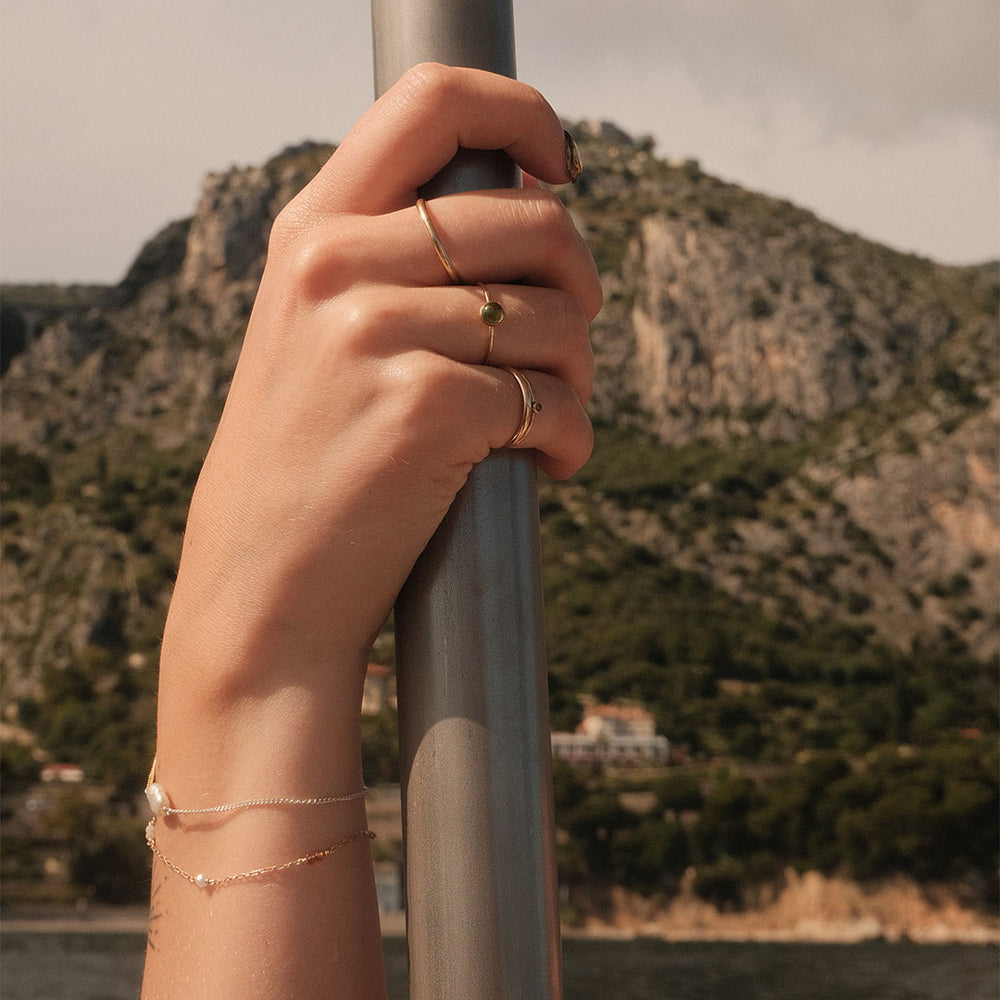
x=880 y=115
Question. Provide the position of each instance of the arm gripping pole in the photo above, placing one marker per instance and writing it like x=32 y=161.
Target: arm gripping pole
x=482 y=914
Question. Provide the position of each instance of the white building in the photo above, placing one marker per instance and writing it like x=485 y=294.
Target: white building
x=617 y=734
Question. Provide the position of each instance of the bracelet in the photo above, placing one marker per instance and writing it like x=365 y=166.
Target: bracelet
x=159 y=800
x=203 y=881
x=159 y=803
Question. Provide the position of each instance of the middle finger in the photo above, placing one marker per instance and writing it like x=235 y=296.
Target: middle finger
x=543 y=329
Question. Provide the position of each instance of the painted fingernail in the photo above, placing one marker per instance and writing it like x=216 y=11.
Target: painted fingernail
x=573 y=165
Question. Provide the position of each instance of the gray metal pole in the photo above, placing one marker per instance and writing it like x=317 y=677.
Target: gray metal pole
x=482 y=914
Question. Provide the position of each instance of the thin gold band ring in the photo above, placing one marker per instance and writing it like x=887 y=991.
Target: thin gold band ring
x=531 y=407
x=439 y=249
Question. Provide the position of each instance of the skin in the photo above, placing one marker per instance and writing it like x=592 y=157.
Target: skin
x=358 y=407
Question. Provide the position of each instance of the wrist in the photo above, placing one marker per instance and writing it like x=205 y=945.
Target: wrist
x=241 y=718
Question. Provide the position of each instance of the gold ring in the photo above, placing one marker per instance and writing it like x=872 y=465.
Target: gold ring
x=438 y=245
x=531 y=407
x=492 y=314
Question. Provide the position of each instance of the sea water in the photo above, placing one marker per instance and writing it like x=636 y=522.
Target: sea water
x=108 y=966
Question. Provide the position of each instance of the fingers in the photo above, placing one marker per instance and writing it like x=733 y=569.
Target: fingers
x=416 y=128
x=491 y=236
x=542 y=328
x=353 y=249
x=511 y=236
x=540 y=409
x=549 y=417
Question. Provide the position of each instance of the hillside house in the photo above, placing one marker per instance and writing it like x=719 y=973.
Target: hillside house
x=618 y=734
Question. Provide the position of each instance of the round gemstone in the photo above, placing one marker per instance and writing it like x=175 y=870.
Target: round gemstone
x=492 y=313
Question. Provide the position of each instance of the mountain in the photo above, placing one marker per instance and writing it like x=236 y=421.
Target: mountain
x=785 y=544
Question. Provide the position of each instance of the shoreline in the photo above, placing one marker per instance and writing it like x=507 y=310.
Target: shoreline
x=134 y=921
x=803 y=908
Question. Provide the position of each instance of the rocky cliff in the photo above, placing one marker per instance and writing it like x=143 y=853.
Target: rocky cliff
x=786 y=543
x=859 y=383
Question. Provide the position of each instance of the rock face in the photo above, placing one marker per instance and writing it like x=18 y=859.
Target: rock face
x=746 y=315
x=765 y=341
x=742 y=320
x=731 y=318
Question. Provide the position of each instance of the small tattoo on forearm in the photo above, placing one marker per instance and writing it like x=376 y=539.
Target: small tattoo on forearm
x=154 y=915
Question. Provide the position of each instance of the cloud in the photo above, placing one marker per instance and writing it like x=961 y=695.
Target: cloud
x=873 y=67
x=880 y=114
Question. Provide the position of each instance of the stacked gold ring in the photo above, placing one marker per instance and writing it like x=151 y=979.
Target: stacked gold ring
x=531 y=407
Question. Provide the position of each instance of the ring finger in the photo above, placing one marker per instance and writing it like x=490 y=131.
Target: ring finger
x=542 y=413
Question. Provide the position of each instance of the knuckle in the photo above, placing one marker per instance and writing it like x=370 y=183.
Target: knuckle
x=577 y=349
x=427 y=394
x=363 y=323
x=595 y=301
x=535 y=97
x=575 y=446
x=425 y=387
x=575 y=323
x=286 y=227
x=307 y=266
x=314 y=266
x=430 y=84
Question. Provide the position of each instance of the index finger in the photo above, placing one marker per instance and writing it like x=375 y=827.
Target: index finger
x=417 y=127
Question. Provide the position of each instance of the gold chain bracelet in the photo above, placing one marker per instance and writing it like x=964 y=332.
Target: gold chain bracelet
x=160 y=804
x=203 y=881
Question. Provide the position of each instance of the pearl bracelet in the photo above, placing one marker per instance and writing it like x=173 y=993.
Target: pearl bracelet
x=159 y=803
x=159 y=800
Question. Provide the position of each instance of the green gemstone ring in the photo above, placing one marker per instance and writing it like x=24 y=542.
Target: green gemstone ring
x=492 y=313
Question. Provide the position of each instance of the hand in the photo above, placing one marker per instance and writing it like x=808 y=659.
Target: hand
x=359 y=405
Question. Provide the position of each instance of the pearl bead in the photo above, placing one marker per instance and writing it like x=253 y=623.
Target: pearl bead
x=156 y=796
x=201 y=880
x=150 y=832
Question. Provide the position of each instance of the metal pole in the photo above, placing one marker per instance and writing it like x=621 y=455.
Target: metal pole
x=482 y=914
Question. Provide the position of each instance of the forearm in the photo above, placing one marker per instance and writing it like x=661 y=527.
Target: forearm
x=368 y=387
x=304 y=929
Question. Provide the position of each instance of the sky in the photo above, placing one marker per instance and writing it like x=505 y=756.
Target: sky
x=882 y=116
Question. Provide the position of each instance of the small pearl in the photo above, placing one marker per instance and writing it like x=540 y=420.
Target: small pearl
x=150 y=831
x=156 y=796
x=201 y=880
